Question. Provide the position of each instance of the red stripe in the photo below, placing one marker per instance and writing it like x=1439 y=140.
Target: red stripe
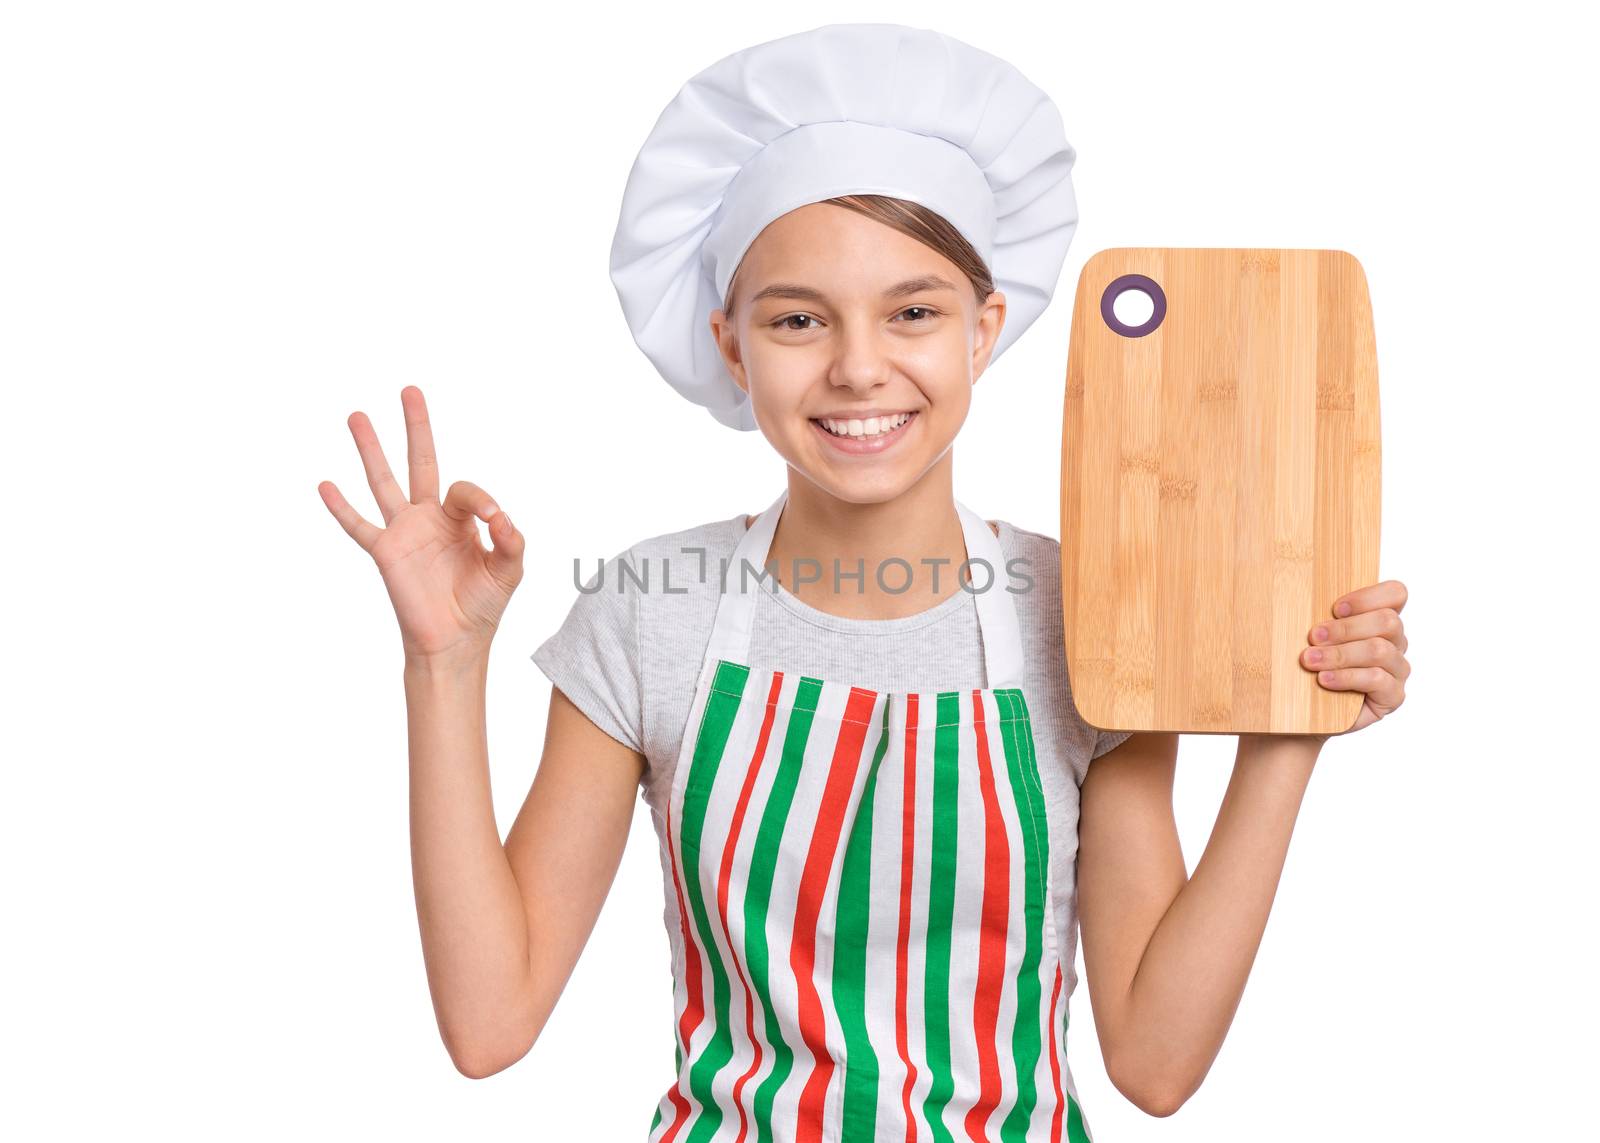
x=694 y=1008
x=908 y=834
x=808 y=906
x=992 y=937
x=723 y=878
x=1055 y=1064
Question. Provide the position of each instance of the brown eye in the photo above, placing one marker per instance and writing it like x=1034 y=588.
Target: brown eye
x=783 y=322
x=917 y=309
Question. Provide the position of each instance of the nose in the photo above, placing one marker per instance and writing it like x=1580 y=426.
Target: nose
x=861 y=362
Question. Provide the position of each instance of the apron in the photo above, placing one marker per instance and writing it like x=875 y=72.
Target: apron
x=868 y=943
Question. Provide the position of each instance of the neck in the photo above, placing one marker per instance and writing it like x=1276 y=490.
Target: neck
x=818 y=531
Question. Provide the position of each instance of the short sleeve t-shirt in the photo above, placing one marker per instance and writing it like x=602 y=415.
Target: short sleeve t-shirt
x=630 y=650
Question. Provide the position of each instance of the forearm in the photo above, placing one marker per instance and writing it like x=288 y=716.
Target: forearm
x=473 y=923
x=1187 y=987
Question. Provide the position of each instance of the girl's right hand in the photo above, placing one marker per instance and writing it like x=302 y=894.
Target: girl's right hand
x=448 y=591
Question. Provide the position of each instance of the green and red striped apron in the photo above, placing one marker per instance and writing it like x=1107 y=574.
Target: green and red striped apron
x=867 y=947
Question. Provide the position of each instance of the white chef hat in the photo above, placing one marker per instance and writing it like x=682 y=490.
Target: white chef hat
x=842 y=109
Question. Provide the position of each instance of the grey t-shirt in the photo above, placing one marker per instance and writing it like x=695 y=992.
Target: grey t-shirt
x=630 y=651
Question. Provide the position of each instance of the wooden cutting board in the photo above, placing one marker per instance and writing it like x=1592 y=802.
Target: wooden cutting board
x=1219 y=486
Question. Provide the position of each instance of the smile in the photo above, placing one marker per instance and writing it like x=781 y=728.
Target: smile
x=864 y=434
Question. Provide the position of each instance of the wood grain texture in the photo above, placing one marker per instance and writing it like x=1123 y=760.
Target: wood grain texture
x=1220 y=488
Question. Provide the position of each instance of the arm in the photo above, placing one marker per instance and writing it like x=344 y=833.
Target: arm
x=1167 y=954
x=503 y=925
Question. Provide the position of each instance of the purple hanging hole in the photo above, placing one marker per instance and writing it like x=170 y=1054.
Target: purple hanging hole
x=1121 y=286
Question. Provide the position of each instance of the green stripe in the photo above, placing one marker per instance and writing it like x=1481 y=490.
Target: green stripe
x=722 y=705
x=941 y=910
x=1076 y=1131
x=758 y=894
x=850 y=961
x=1022 y=770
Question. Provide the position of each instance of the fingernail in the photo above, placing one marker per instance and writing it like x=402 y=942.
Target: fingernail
x=1320 y=634
x=1314 y=656
x=489 y=510
x=1343 y=609
x=1325 y=676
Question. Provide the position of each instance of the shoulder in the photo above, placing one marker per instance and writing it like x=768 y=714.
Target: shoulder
x=621 y=587
x=652 y=578
x=711 y=534
x=1042 y=551
x=1033 y=567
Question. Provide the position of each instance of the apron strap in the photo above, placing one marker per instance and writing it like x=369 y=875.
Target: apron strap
x=736 y=605
x=997 y=607
x=998 y=625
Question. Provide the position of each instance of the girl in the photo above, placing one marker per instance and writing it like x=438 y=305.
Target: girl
x=849 y=713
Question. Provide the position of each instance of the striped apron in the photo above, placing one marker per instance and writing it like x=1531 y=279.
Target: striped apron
x=868 y=945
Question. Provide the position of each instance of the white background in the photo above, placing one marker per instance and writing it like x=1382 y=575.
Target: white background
x=226 y=226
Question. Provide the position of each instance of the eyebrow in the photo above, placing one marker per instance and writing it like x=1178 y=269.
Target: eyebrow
x=924 y=284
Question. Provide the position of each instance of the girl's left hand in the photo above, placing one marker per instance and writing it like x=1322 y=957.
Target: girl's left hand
x=1364 y=649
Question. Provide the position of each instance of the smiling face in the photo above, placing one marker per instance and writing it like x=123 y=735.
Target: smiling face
x=858 y=346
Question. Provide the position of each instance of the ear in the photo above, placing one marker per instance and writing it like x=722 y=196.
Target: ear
x=727 y=340
x=991 y=320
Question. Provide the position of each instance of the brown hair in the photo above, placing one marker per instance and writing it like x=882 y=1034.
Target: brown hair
x=926 y=226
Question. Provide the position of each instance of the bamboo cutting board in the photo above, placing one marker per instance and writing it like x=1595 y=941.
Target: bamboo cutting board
x=1219 y=486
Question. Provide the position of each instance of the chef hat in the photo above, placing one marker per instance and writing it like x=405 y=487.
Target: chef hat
x=842 y=109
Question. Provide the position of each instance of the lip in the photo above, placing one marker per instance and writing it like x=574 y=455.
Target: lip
x=866 y=446
x=863 y=414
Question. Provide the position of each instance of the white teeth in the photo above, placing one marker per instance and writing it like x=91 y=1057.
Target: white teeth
x=869 y=427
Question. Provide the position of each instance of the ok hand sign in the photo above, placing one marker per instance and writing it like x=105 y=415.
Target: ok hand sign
x=448 y=591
